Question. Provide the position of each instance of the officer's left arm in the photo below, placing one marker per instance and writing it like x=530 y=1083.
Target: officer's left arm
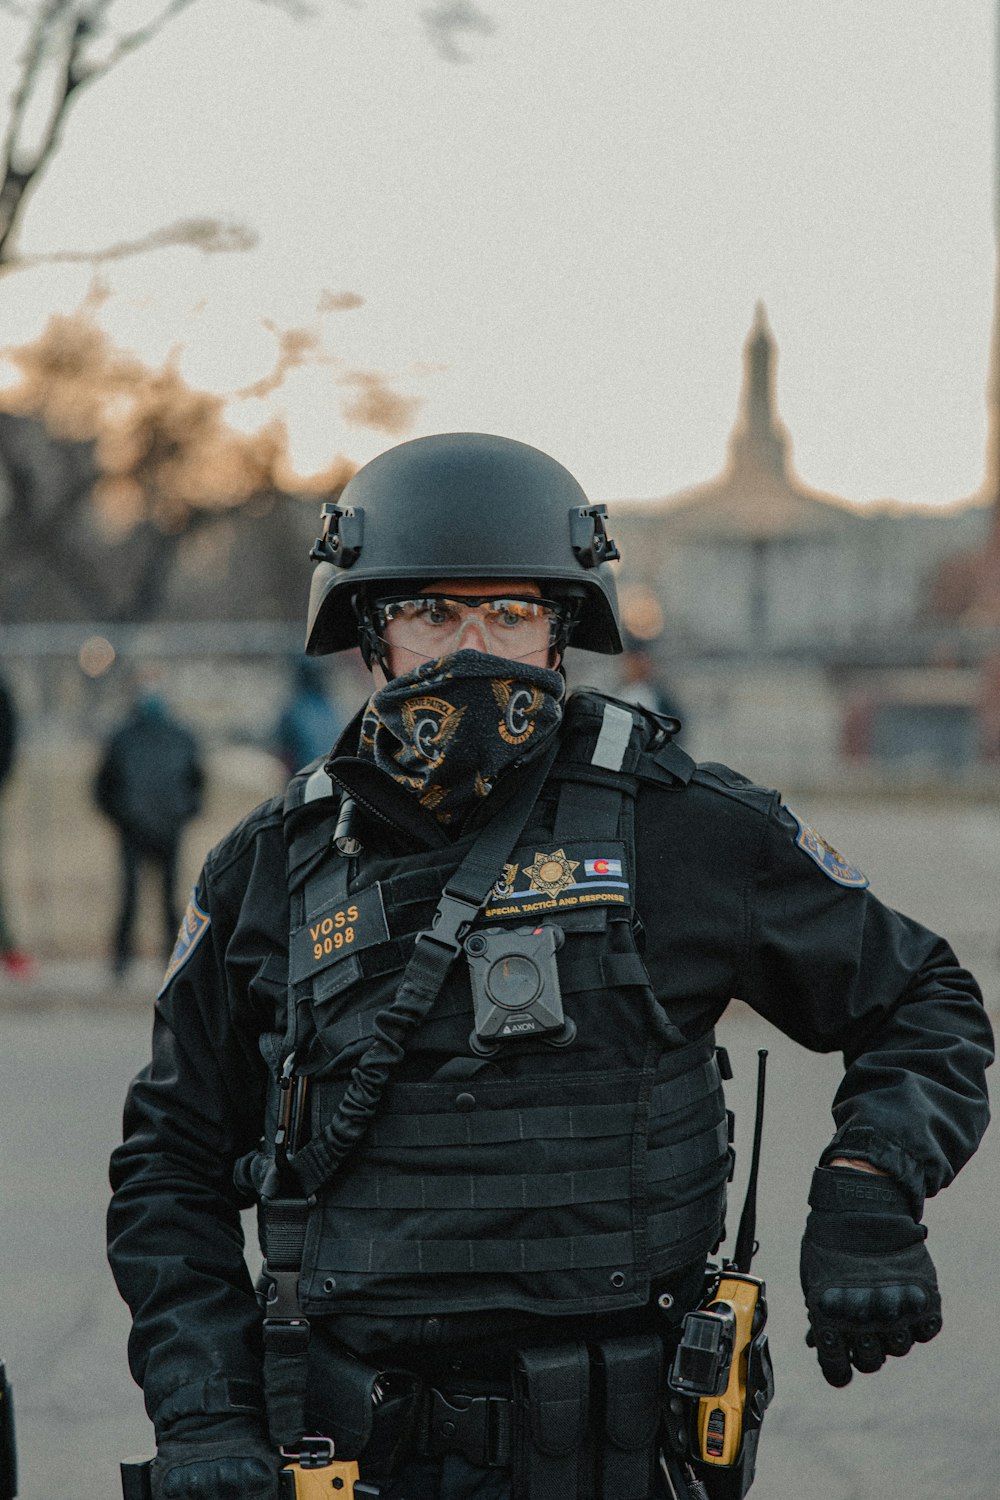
x=837 y=970
x=834 y=968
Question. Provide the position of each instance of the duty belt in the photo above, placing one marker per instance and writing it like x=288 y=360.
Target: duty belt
x=581 y=1420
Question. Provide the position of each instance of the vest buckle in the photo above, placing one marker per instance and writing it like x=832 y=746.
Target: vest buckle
x=477 y=1427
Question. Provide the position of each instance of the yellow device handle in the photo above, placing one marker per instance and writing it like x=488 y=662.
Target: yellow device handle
x=720 y=1418
x=332 y=1481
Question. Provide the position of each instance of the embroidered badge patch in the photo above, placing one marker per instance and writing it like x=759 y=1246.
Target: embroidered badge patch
x=576 y=874
x=194 y=924
x=826 y=856
x=551 y=873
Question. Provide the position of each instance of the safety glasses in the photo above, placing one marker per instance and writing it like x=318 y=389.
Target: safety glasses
x=429 y=621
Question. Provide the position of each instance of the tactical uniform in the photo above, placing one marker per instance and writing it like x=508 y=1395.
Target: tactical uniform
x=747 y=912
x=495 y=1235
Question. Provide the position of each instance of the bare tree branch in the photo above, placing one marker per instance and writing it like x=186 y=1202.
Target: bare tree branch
x=448 y=19
x=210 y=236
x=63 y=34
x=30 y=64
x=133 y=40
x=56 y=26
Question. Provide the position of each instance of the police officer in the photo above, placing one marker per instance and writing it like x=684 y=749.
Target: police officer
x=445 y=1011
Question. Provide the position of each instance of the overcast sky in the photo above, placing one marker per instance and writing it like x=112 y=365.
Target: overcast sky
x=555 y=218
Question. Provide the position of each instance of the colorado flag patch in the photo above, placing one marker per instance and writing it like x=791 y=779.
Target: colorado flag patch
x=826 y=856
x=194 y=924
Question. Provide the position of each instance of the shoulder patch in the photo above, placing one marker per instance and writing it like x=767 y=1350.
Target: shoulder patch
x=826 y=856
x=194 y=924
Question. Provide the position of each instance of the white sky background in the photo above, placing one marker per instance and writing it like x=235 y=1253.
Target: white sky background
x=562 y=237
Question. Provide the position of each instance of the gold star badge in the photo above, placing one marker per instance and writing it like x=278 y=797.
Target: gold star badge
x=551 y=873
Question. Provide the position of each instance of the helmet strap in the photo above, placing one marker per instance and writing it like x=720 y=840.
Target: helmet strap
x=569 y=614
x=370 y=643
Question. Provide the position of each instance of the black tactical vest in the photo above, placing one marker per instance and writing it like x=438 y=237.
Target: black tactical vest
x=548 y=1179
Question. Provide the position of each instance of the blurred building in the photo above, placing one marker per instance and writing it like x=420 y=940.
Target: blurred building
x=799 y=627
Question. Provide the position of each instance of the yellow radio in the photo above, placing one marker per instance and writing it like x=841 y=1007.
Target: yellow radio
x=723 y=1363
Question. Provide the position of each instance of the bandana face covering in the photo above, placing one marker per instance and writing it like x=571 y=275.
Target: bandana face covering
x=446 y=730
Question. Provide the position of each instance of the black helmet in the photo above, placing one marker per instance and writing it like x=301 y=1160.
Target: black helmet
x=462 y=505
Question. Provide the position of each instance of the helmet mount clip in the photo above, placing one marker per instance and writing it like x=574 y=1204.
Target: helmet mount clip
x=343 y=532
x=589 y=536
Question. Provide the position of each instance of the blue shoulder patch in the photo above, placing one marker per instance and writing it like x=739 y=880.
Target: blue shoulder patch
x=194 y=924
x=826 y=856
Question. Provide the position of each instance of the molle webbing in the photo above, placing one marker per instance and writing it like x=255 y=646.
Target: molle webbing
x=609 y=971
x=540 y=1203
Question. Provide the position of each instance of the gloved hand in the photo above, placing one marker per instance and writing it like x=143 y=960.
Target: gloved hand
x=226 y=1459
x=869 y=1283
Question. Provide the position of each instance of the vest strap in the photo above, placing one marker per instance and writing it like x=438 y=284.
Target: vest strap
x=286 y=1330
x=434 y=952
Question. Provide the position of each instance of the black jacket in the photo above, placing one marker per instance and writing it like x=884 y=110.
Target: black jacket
x=733 y=905
x=150 y=780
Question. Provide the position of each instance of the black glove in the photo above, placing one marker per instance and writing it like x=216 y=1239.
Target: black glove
x=869 y=1283
x=228 y=1459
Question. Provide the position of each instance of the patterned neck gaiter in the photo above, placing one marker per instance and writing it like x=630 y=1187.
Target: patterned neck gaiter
x=446 y=730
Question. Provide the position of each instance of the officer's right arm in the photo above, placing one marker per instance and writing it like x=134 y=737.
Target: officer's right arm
x=174 y=1234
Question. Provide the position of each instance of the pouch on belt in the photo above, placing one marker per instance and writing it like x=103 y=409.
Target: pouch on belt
x=627 y=1378
x=551 y=1408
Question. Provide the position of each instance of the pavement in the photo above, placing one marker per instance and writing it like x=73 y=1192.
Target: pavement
x=85 y=984
x=923 y=1428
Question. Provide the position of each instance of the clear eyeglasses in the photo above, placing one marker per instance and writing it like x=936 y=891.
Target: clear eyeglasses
x=514 y=625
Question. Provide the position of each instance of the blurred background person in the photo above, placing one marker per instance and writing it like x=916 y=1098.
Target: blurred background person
x=310 y=721
x=640 y=682
x=150 y=782
x=13 y=960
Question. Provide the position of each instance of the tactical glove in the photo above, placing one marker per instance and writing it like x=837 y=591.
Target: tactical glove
x=869 y=1283
x=228 y=1459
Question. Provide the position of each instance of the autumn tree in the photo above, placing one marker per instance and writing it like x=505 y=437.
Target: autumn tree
x=107 y=466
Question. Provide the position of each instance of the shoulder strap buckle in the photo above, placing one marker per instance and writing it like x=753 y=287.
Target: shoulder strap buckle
x=452 y=921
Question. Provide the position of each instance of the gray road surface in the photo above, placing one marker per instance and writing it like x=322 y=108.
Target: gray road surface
x=924 y=1427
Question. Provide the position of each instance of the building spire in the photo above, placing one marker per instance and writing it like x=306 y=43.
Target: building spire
x=759 y=439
